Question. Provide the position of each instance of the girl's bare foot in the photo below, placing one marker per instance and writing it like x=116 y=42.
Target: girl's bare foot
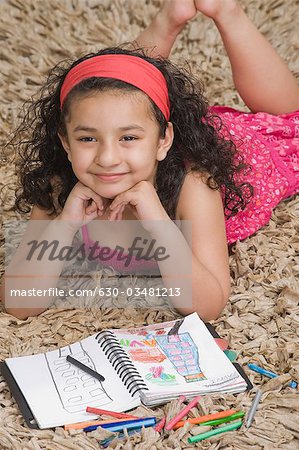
x=217 y=10
x=165 y=27
x=174 y=14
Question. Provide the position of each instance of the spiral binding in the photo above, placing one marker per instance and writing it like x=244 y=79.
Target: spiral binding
x=121 y=362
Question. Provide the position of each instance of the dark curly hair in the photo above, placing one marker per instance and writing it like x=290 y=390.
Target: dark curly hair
x=199 y=138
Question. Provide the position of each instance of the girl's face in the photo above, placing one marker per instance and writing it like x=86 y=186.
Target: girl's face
x=113 y=141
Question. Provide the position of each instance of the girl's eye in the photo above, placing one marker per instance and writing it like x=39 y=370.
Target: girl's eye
x=129 y=138
x=87 y=139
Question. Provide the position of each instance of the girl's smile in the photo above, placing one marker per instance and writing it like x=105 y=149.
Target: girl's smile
x=113 y=141
x=110 y=177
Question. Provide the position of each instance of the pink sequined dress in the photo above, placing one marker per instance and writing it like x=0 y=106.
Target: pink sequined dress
x=270 y=144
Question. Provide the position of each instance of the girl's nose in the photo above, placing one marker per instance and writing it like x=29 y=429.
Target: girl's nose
x=107 y=155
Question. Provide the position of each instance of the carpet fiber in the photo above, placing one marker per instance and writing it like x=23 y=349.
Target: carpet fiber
x=261 y=321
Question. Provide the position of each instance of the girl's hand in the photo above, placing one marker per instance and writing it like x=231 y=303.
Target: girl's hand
x=143 y=201
x=82 y=206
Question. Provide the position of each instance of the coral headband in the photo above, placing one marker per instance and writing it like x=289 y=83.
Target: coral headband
x=131 y=69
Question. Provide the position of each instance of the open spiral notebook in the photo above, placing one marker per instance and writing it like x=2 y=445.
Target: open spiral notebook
x=148 y=365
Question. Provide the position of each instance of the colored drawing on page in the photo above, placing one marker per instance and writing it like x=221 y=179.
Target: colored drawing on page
x=125 y=342
x=158 y=376
x=148 y=342
x=183 y=354
x=146 y=354
x=145 y=350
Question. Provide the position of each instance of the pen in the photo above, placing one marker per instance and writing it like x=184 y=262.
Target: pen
x=293 y=384
x=85 y=368
x=253 y=407
x=202 y=436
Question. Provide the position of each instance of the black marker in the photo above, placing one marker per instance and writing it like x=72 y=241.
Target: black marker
x=84 y=368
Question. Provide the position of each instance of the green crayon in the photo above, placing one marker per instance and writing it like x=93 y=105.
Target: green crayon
x=235 y=416
x=202 y=436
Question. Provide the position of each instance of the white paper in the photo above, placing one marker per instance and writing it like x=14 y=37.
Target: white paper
x=58 y=392
x=189 y=361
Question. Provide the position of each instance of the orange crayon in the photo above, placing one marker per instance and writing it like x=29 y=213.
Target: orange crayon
x=202 y=419
x=90 y=423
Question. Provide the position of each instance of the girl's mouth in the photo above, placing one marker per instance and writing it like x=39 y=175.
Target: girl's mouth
x=110 y=177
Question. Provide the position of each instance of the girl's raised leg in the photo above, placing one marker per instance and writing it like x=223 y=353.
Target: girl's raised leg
x=261 y=77
x=162 y=32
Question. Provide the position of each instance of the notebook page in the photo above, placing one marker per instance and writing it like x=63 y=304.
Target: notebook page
x=188 y=361
x=58 y=392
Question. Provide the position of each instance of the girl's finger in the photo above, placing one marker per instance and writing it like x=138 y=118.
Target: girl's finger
x=118 y=201
x=120 y=213
x=99 y=203
x=95 y=198
x=95 y=205
x=113 y=206
x=91 y=208
x=113 y=214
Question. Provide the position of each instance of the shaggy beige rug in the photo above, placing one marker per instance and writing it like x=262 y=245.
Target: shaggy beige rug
x=262 y=320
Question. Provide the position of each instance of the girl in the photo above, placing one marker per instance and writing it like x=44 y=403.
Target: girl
x=123 y=135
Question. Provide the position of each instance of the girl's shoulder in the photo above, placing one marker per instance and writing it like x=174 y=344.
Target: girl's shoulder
x=38 y=213
x=195 y=195
x=201 y=220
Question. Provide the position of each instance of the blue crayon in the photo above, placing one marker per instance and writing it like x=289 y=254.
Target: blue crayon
x=106 y=442
x=293 y=384
x=128 y=424
x=112 y=424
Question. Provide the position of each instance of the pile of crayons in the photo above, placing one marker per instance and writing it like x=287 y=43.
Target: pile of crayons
x=128 y=425
x=209 y=420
